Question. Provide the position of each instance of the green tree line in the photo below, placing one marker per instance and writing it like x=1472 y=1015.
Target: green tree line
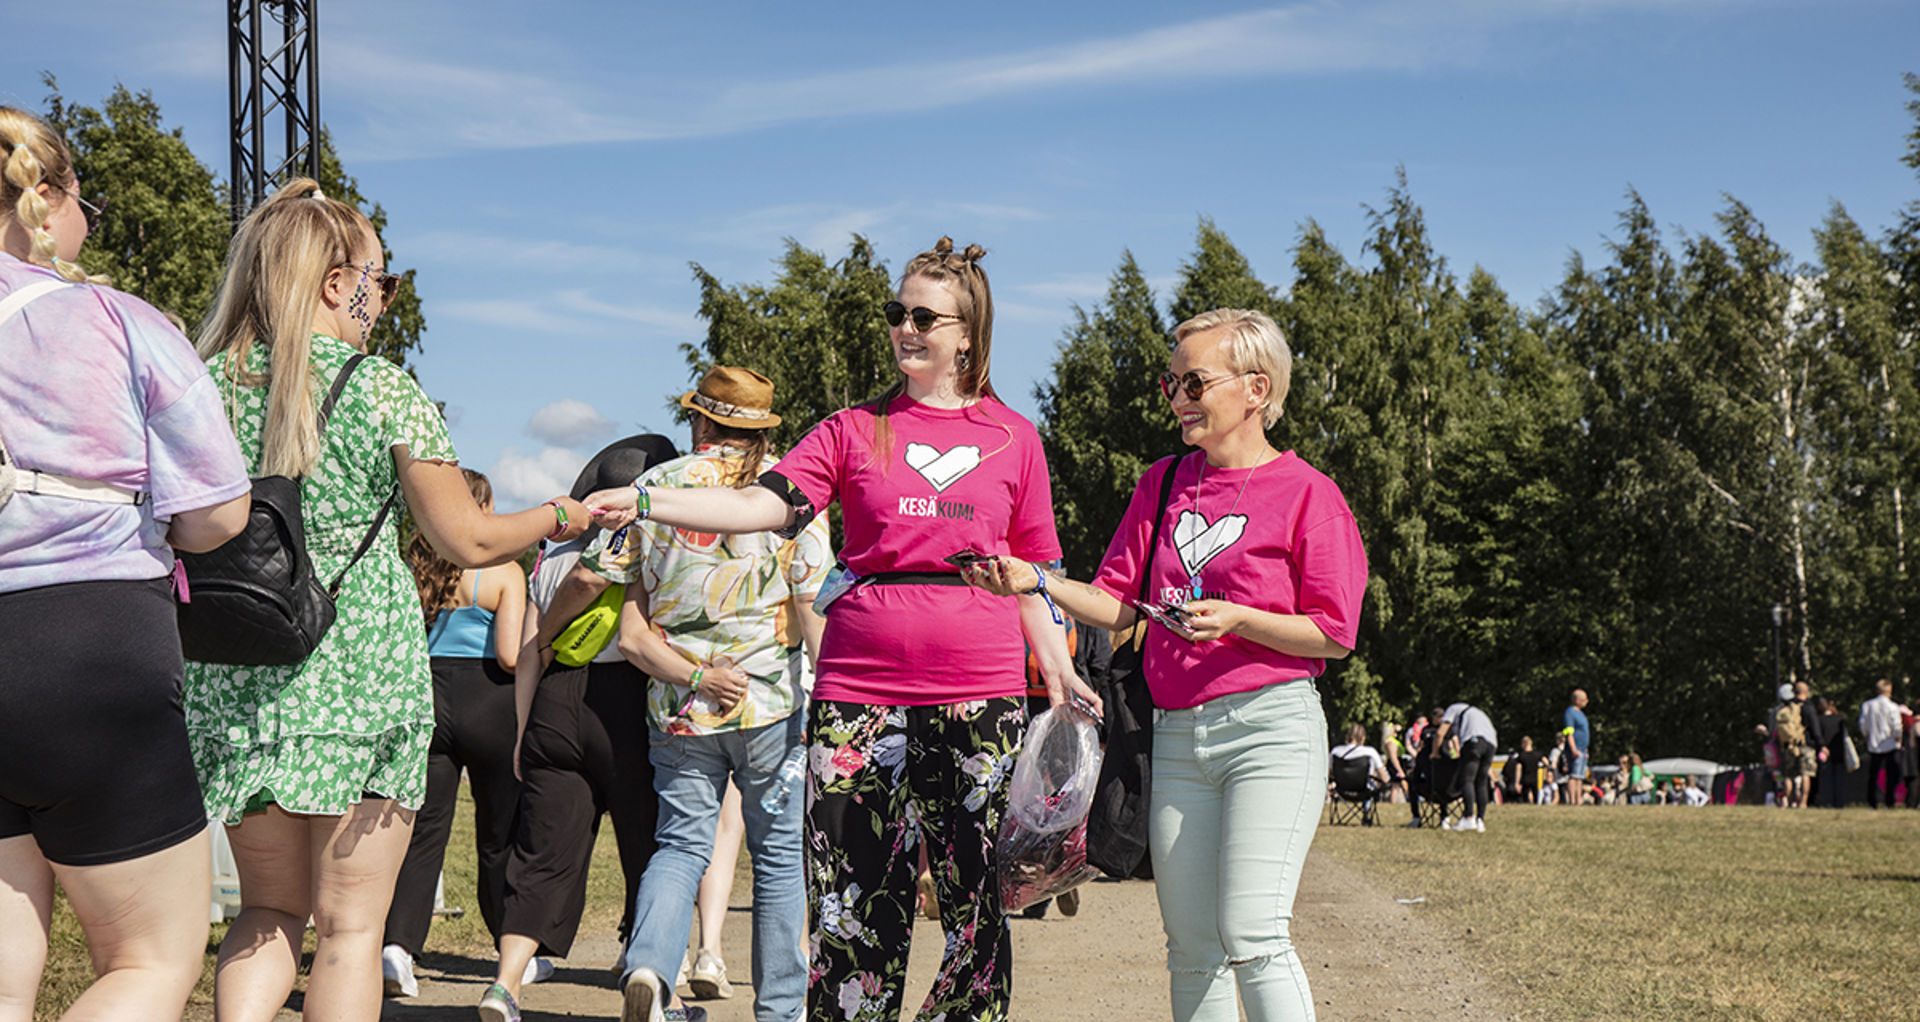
x=1612 y=490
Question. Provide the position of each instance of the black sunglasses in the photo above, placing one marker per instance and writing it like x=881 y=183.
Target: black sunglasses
x=1194 y=383
x=923 y=317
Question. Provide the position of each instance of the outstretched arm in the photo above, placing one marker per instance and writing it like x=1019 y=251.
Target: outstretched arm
x=702 y=508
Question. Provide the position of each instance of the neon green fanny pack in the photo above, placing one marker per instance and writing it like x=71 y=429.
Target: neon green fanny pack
x=588 y=634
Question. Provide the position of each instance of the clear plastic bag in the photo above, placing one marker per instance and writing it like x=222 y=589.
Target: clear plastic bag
x=1042 y=848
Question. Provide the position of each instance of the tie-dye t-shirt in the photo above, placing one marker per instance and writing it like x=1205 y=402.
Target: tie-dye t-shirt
x=1277 y=538
x=98 y=385
x=951 y=479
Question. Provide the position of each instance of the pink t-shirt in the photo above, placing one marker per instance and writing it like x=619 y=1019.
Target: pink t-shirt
x=1287 y=544
x=954 y=479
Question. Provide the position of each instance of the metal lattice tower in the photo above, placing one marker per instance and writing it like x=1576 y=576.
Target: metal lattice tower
x=272 y=73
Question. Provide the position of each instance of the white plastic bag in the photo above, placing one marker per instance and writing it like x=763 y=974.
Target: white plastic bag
x=1042 y=848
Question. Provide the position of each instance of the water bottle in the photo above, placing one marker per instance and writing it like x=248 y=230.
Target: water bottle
x=774 y=802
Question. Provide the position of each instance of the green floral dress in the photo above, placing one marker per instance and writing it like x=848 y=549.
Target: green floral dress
x=356 y=716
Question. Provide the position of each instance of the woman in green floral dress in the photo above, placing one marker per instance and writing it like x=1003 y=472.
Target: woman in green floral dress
x=317 y=768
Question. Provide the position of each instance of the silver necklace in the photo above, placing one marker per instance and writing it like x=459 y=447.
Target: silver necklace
x=1193 y=581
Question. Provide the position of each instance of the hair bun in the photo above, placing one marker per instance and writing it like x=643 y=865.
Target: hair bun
x=973 y=253
x=944 y=245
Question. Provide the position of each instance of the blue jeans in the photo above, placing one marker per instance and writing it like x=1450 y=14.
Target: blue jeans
x=690 y=775
x=1237 y=787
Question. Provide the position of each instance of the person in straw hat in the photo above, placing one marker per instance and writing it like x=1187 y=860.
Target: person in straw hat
x=724 y=626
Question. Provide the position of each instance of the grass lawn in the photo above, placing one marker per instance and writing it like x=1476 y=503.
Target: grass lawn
x=1656 y=912
x=69 y=972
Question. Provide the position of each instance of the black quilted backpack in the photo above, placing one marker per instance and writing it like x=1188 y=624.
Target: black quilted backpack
x=255 y=600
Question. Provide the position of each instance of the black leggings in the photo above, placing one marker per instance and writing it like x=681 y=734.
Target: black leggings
x=472 y=729
x=584 y=754
x=94 y=762
x=1476 y=776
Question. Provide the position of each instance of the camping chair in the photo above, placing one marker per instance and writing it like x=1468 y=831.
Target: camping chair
x=1440 y=799
x=1354 y=793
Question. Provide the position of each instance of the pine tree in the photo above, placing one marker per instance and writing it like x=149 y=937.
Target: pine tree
x=1103 y=420
x=817 y=332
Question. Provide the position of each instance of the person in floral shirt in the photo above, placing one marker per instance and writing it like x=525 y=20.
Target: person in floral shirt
x=723 y=626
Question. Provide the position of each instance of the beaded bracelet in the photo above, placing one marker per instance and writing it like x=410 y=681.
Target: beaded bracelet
x=560 y=523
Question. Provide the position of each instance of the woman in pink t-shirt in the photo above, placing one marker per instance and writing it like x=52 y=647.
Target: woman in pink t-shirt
x=919 y=705
x=1259 y=559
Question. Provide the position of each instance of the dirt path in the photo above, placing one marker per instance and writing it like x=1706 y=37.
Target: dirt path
x=1368 y=957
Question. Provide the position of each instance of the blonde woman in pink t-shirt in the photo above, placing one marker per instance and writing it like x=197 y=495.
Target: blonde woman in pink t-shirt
x=919 y=705
x=1257 y=580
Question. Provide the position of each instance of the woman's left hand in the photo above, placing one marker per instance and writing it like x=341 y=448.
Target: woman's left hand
x=1212 y=619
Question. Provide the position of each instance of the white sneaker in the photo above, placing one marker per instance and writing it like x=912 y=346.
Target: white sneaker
x=644 y=997
x=709 y=978
x=1480 y=824
x=1446 y=824
x=539 y=970
x=396 y=972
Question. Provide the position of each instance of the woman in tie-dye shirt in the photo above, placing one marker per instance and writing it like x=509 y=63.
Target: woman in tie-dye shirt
x=119 y=453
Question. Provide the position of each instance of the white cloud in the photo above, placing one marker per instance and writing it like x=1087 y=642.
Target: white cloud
x=419 y=106
x=523 y=480
x=568 y=422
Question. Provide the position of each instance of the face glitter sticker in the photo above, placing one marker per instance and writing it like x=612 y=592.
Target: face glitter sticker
x=357 y=306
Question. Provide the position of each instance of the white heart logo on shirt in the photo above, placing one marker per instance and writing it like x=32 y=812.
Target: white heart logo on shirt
x=943 y=468
x=1198 y=542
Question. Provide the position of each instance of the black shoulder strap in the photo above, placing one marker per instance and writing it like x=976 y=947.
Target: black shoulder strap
x=373 y=531
x=339 y=387
x=1159 y=515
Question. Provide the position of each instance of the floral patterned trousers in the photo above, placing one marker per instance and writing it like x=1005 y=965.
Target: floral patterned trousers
x=885 y=778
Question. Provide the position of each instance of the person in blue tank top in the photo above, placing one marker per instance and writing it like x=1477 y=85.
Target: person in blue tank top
x=473 y=620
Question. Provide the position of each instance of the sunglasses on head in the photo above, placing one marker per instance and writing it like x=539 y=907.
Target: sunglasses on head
x=1194 y=383
x=923 y=317
x=389 y=283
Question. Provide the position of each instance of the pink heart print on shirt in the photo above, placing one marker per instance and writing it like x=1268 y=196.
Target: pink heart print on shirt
x=943 y=468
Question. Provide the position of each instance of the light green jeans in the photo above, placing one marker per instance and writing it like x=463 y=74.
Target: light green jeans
x=1237 y=787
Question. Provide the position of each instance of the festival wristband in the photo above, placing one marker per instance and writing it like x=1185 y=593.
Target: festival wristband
x=642 y=504
x=693 y=683
x=1040 y=589
x=560 y=520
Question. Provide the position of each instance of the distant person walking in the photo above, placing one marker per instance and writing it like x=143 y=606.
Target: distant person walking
x=1576 y=737
x=1474 y=771
x=1829 y=739
x=1793 y=739
x=1880 y=729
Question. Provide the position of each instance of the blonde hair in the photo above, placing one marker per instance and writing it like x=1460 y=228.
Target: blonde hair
x=974 y=296
x=35 y=155
x=1254 y=345
x=277 y=265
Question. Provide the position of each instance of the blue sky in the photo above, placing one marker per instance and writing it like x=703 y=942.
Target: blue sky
x=551 y=169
